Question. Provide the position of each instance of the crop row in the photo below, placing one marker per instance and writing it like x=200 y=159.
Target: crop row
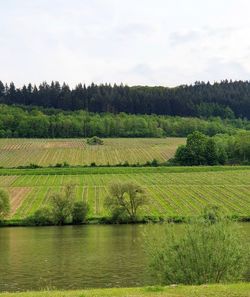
x=223 y=179
x=169 y=194
x=14 y=152
x=164 y=201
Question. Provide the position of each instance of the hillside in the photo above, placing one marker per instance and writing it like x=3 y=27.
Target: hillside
x=173 y=192
x=44 y=152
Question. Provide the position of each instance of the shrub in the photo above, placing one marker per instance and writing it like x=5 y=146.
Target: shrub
x=62 y=204
x=204 y=252
x=213 y=214
x=59 y=165
x=65 y=164
x=79 y=212
x=4 y=204
x=154 y=163
x=33 y=166
x=42 y=217
x=95 y=141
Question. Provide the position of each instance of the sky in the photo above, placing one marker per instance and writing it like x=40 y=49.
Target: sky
x=134 y=42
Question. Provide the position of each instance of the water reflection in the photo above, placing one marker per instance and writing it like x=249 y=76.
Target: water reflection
x=74 y=257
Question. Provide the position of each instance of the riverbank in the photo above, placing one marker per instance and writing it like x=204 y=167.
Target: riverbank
x=229 y=290
x=28 y=222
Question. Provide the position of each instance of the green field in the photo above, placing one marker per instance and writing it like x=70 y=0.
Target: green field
x=44 y=152
x=229 y=290
x=173 y=191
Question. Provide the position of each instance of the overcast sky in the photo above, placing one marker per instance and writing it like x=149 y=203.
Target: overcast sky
x=146 y=42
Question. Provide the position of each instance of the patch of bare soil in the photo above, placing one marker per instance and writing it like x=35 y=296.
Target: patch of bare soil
x=17 y=195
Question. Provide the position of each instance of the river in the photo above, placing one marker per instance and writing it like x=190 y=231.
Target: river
x=74 y=257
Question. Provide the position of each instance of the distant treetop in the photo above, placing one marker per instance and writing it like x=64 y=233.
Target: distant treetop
x=226 y=99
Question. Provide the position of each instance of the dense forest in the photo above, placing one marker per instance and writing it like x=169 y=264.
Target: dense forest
x=53 y=123
x=226 y=99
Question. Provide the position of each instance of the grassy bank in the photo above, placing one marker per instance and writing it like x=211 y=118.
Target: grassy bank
x=230 y=290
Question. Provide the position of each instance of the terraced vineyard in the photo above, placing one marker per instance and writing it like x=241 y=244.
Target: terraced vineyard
x=171 y=193
x=15 y=152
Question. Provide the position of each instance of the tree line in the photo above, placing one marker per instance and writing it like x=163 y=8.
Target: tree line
x=226 y=99
x=37 y=122
x=218 y=150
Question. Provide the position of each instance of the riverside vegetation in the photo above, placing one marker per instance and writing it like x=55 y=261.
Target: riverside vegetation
x=209 y=250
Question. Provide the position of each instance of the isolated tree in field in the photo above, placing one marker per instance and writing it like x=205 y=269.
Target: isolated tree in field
x=95 y=141
x=207 y=250
x=4 y=204
x=62 y=204
x=79 y=212
x=125 y=199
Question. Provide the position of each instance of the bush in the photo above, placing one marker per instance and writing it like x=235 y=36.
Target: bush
x=4 y=204
x=205 y=252
x=33 y=166
x=95 y=141
x=62 y=205
x=154 y=163
x=213 y=214
x=79 y=212
x=42 y=217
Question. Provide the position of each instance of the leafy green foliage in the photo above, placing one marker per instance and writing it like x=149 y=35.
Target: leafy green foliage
x=62 y=204
x=95 y=141
x=221 y=149
x=213 y=214
x=4 y=203
x=79 y=212
x=40 y=123
x=199 y=150
x=206 y=251
x=124 y=200
x=42 y=217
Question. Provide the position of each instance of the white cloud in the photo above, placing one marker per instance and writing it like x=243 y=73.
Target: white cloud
x=136 y=42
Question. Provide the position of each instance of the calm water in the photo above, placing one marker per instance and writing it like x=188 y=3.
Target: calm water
x=74 y=257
